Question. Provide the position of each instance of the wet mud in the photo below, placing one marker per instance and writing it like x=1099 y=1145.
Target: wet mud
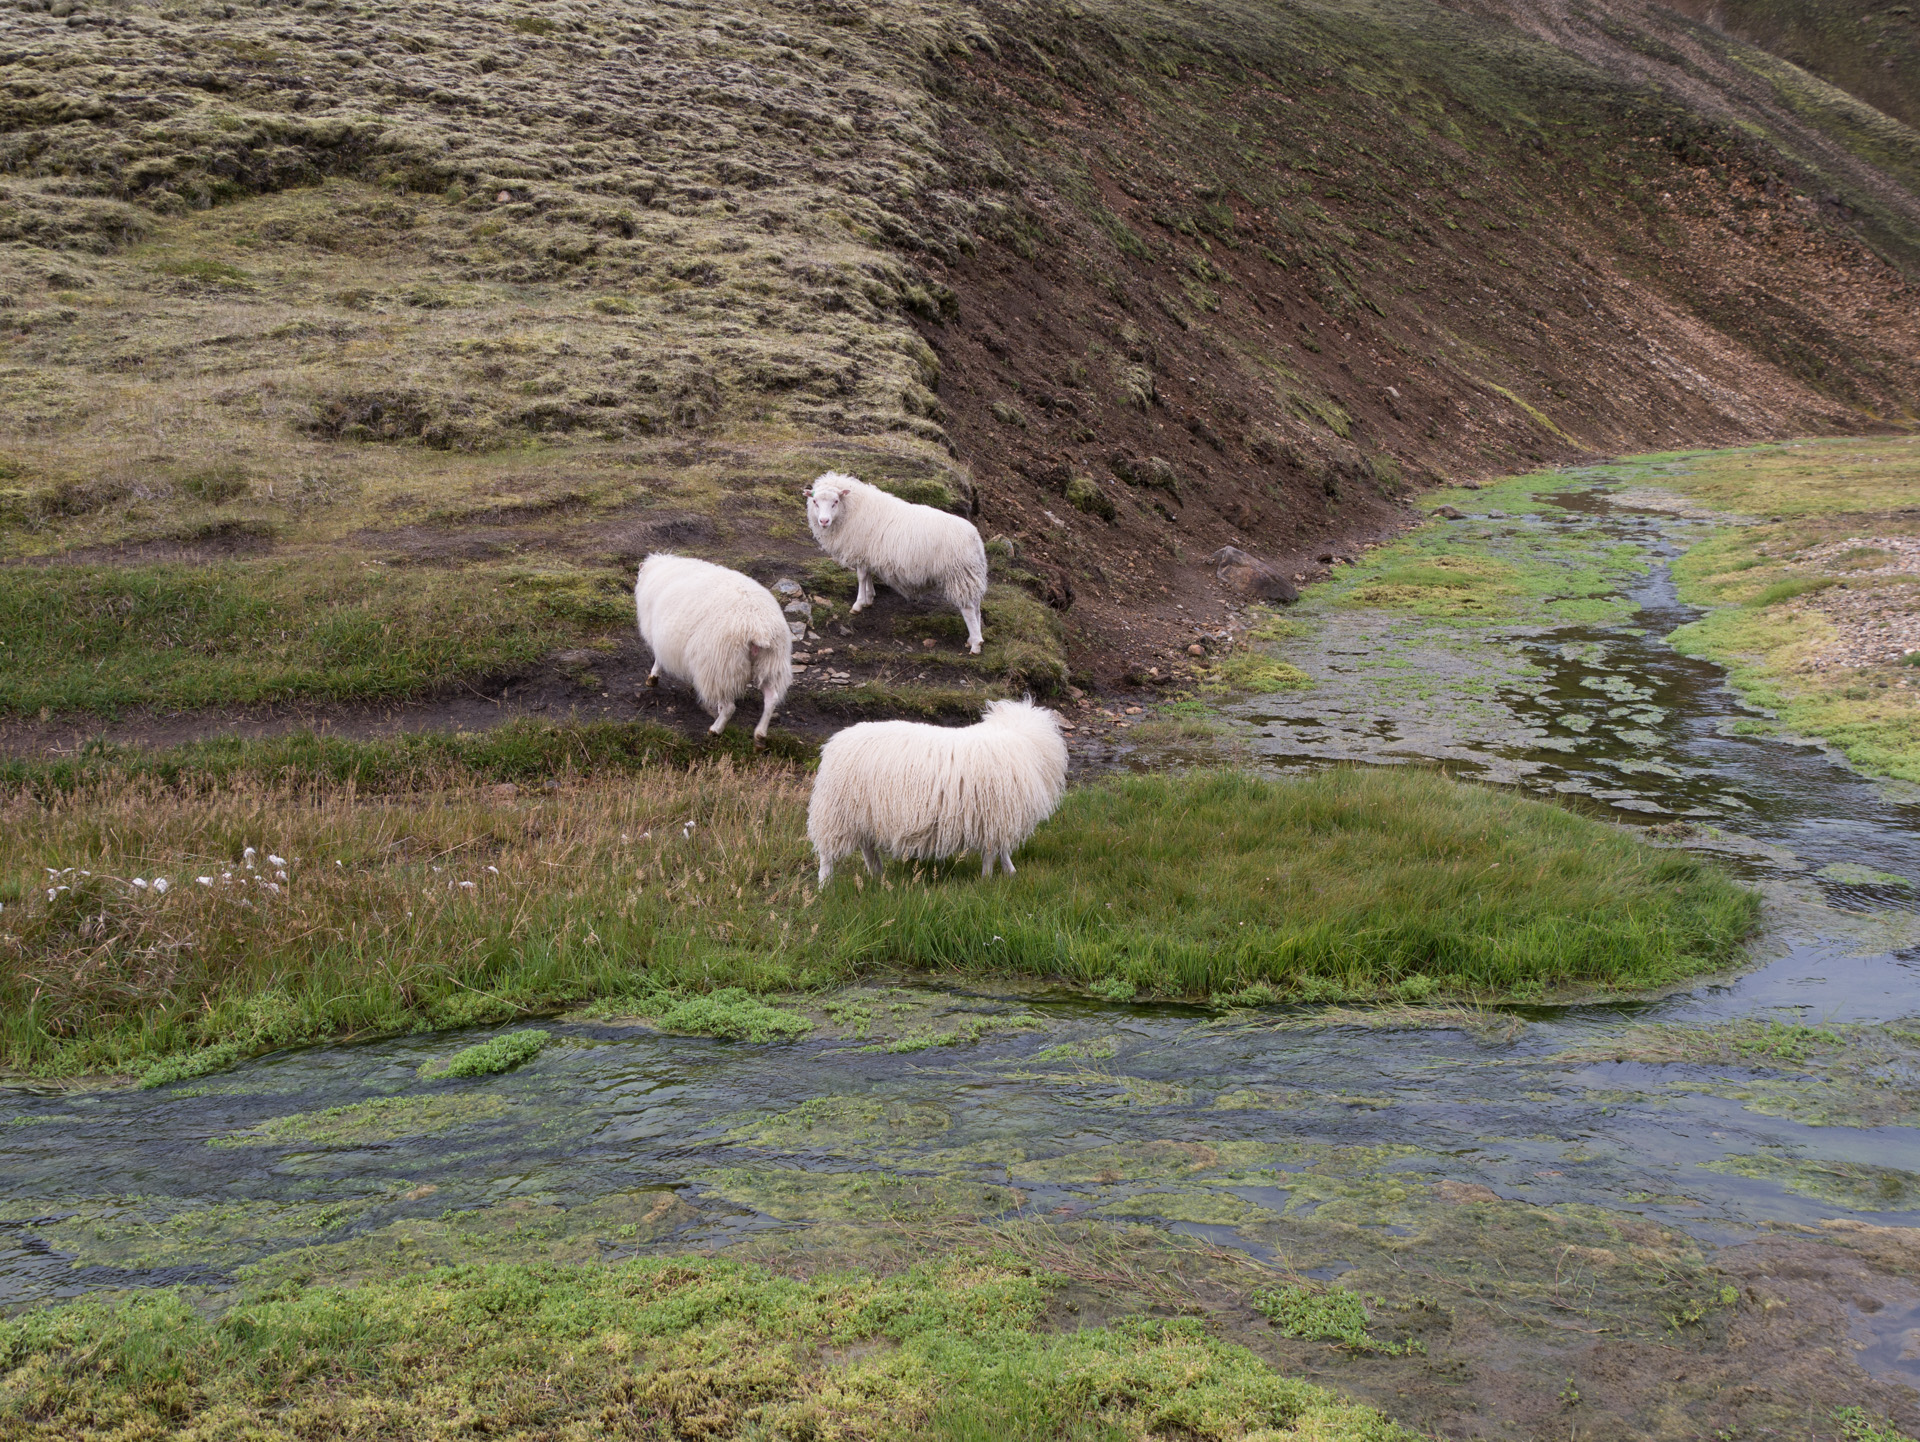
x=1680 y=1217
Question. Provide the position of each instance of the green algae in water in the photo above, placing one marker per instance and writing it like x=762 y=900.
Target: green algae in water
x=842 y=1121
x=1142 y=1161
x=1851 y=873
x=142 y=1235
x=1206 y=1207
x=502 y=1053
x=518 y=1231
x=1855 y=1185
x=793 y=1195
x=384 y=1119
x=734 y=1014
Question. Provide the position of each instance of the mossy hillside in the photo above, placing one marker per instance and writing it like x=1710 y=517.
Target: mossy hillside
x=690 y=1341
x=656 y=891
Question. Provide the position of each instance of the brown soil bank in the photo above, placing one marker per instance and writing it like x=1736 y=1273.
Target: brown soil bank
x=475 y=304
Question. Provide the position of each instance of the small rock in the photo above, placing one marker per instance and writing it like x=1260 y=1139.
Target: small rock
x=1133 y=710
x=798 y=608
x=1251 y=576
x=1452 y=513
x=1076 y=693
x=797 y=630
x=927 y=644
x=785 y=586
x=503 y=197
x=1468 y=485
x=1496 y=515
x=1196 y=649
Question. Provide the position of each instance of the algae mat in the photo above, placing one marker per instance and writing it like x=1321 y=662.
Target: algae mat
x=1655 y=1213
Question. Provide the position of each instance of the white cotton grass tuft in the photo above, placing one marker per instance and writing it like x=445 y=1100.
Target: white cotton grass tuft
x=161 y=884
x=204 y=880
x=139 y=883
x=273 y=860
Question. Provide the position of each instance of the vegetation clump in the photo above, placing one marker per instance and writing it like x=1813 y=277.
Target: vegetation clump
x=731 y=1013
x=498 y=1054
x=1334 y=1315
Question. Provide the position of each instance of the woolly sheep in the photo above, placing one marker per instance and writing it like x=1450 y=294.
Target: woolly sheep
x=719 y=631
x=909 y=547
x=934 y=791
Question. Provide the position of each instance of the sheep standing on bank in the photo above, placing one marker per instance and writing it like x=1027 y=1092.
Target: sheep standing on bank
x=910 y=548
x=717 y=630
x=919 y=791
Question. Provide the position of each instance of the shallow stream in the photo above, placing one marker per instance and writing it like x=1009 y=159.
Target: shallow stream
x=1321 y=1141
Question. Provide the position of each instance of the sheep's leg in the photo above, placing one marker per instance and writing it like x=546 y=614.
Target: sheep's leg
x=826 y=870
x=986 y=863
x=972 y=615
x=653 y=676
x=766 y=716
x=871 y=855
x=720 y=721
x=1006 y=862
x=864 y=597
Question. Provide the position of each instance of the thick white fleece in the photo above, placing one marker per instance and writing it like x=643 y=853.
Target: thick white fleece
x=717 y=630
x=915 y=790
x=910 y=548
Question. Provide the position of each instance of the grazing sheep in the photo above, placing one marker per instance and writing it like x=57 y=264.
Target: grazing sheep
x=936 y=791
x=716 y=629
x=909 y=547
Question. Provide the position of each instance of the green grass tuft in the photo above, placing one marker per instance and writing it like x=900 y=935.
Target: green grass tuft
x=501 y=1053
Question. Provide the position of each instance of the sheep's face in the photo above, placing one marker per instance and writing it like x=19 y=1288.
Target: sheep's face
x=823 y=505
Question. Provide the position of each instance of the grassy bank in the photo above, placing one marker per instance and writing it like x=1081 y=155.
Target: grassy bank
x=355 y=913
x=1814 y=597
x=675 y=1347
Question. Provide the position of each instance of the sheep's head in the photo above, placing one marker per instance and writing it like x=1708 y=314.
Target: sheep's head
x=825 y=500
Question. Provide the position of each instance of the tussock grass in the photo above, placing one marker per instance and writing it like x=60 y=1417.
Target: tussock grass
x=357 y=913
x=697 y=1346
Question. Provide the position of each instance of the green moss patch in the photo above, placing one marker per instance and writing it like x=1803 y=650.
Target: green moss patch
x=694 y=1343
x=735 y=1015
x=498 y=1054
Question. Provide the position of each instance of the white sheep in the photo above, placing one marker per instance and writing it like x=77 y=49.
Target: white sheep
x=910 y=548
x=934 y=791
x=717 y=630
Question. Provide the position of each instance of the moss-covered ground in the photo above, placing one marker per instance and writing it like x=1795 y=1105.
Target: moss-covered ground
x=656 y=1347
x=145 y=919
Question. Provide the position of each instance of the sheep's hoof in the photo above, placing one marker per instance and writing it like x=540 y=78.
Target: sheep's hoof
x=653 y=680
x=975 y=648
x=759 y=743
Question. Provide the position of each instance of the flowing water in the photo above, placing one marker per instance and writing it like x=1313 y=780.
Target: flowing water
x=1315 y=1140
